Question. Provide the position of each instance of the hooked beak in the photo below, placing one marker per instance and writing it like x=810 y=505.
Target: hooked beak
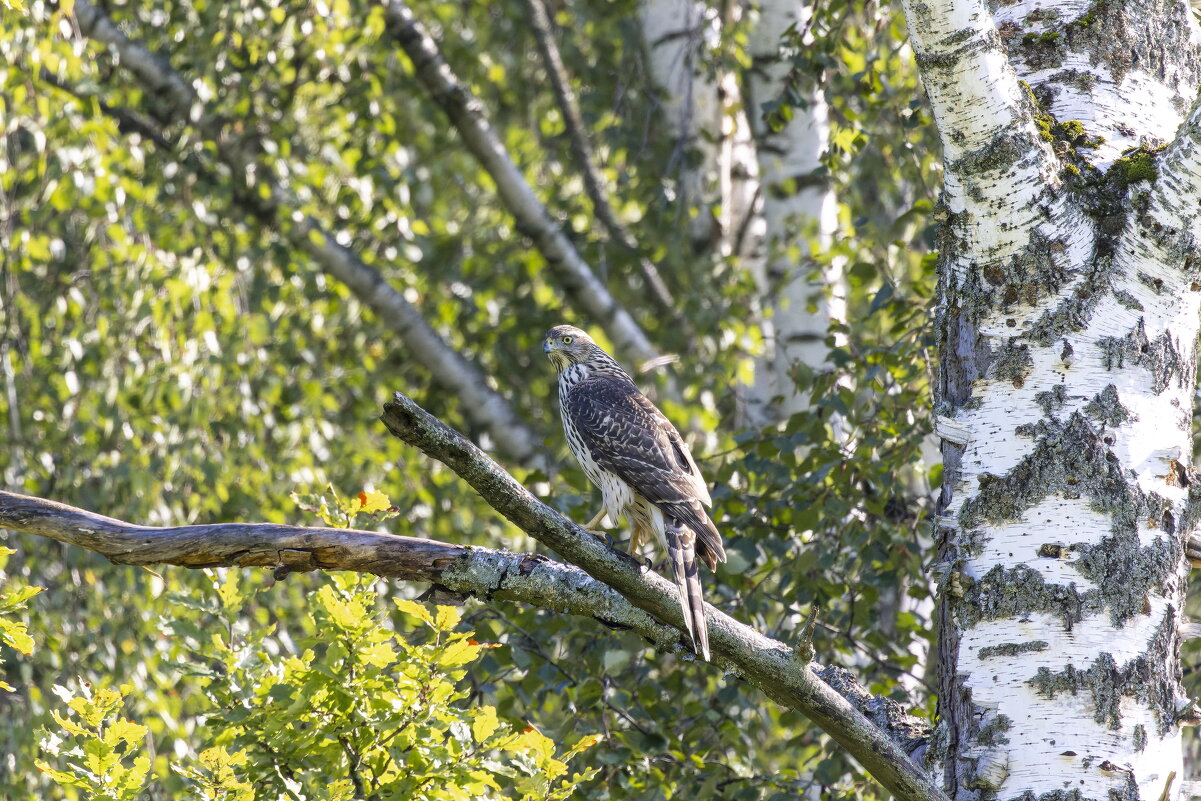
x=546 y=348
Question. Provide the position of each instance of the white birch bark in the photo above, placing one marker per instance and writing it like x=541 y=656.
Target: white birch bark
x=799 y=211
x=1068 y=321
x=714 y=147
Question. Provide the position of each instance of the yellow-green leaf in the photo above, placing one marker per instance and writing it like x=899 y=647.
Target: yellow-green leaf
x=582 y=744
x=459 y=653
x=413 y=609
x=448 y=617
x=372 y=501
x=484 y=723
x=124 y=731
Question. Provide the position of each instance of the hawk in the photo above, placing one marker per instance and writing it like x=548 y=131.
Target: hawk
x=639 y=462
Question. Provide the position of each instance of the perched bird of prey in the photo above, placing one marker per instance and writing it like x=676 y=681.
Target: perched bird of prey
x=640 y=463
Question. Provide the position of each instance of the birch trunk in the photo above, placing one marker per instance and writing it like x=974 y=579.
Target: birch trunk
x=714 y=148
x=798 y=212
x=1068 y=323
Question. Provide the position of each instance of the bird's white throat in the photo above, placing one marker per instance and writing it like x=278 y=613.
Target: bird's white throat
x=574 y=373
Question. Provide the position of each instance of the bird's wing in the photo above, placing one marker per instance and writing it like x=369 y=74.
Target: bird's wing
x=628 y=436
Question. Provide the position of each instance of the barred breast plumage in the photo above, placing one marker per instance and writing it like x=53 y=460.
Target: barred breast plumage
x=641 y=465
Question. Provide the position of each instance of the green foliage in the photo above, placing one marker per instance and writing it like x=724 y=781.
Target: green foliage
x=99 y=754
x=372 y=504
x=13 y=629
x=166 y=357
x=360 y=711
x=216 y=776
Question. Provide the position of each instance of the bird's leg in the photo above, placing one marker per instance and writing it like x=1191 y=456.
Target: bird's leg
x=593 y=528
x=593 y=525
x=635 y=542
x=637 y=536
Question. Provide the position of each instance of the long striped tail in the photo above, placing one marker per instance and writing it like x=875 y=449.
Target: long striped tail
x=681 y=552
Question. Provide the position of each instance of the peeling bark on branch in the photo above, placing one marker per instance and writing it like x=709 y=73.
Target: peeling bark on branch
x=450 y=369
x=584 y=290
x=767 y=664
x=483 y=573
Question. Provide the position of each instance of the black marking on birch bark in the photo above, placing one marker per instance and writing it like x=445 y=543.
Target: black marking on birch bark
x=1012 y=649
x=1072 y=313
x=1013 y=363
x=1006 y=149
x=1052 y=400
x=965 y=354
x=959 y=720
x=1151 y=282
x=1142 y=679
x=1040 y=51
x=993 y=732
x=1019 y=592
x=1125 y=572
x=1055 y=550
x=1139 y=737
x=965 y=42
x=1160 y=355
x=1129 y=791
x=1077 y=79
x=1192 y=511
x=1126 y=299
x=1027 y=278
x=1069 y=459
x=1114 y=33
x=1054 y=795
x=1107 y=409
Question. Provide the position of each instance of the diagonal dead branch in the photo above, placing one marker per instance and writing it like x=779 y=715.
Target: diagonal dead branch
x=768 y=664
x=585 y=291
x=581 y=150
x=180 y=105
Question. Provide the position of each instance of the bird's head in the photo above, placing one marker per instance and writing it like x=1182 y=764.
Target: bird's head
x=566 y=345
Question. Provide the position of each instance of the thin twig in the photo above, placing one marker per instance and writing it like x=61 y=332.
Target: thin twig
x=574 y=276
x=585 y=158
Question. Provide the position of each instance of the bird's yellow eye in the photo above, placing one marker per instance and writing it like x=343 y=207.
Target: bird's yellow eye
x=567 y=340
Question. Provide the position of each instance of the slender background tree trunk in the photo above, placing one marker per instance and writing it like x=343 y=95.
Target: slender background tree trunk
x=798 y=212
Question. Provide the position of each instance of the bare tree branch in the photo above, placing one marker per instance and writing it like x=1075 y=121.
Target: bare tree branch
x=585 y=291
x=768 y=664
x=449 y=368
x=483 y=573
x=585 y=159
x=487 y=574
